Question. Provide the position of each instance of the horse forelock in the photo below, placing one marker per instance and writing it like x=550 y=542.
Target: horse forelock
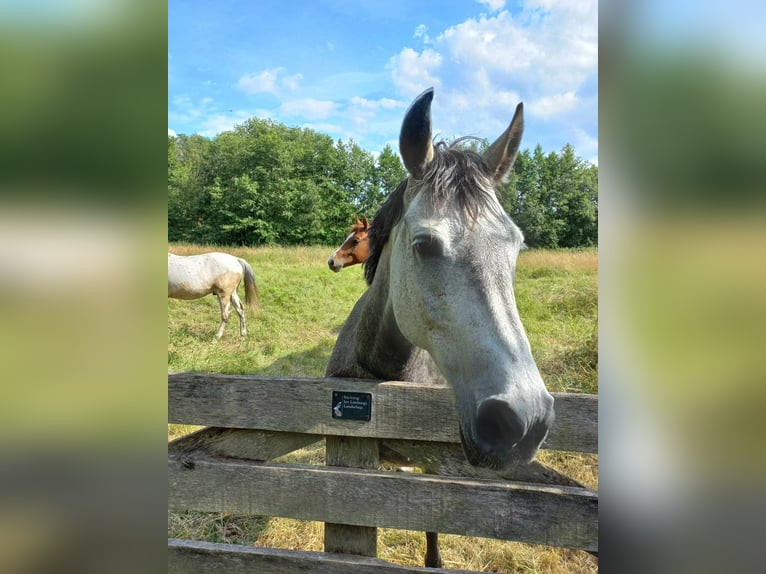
x=454 y=175
x=461 y=176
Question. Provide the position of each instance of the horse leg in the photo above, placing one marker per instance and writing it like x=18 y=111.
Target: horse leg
x=240 y=309
x=225 y=303
x=433 y=558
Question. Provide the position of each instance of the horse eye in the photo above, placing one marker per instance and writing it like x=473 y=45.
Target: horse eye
x=354 y=241
x=427 y=246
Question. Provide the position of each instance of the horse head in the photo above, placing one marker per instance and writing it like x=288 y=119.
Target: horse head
x=354 y=249
x=452 y=256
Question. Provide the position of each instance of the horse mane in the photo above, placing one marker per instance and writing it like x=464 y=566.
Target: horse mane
x=386 y=217
x=454 y=173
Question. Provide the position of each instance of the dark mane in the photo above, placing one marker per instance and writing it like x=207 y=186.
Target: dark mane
x=454 y=174
x=387 y=216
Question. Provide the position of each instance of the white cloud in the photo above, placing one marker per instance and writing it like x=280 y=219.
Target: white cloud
x=171 y=133
x=413 y=72
x=544 y=53
x=363 y=103
x=265 y=81
x=217 y=123
x=390 y=104
x=204 y=115
x=368 y=115
x=384 y=103
x=494 y=44
x=292 y=82
x=185 y=110
x=550 y=46
x=493 y=5
x=270 y=81
x=549 y=106
x=328 y=128
x=422 y=32
x=583 y=6
x=308 y=108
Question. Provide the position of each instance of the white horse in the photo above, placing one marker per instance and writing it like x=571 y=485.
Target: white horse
x=441 y=304
x=195 y=276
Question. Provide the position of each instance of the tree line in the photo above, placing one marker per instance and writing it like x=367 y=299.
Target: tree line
x=264 y=183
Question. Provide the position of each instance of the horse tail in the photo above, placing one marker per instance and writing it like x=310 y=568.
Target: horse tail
x=251 y=289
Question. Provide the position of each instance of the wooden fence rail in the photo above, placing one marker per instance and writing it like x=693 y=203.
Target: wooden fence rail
x=214 y=558
x=253 y=420
x=400 y=410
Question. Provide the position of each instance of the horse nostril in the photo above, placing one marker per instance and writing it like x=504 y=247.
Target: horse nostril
x=498 y=426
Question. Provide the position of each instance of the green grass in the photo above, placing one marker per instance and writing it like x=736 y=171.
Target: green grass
x=302 y=307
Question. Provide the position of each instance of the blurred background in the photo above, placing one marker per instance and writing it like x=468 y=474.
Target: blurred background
x=82 y=305
x=682 y=314
x=83 y=328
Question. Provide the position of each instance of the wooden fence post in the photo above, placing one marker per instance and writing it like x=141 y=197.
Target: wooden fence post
x=356 y=453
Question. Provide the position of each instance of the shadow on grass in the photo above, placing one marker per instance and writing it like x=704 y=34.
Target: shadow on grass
x=197 y=332
x=307 y=363
x=216 y=526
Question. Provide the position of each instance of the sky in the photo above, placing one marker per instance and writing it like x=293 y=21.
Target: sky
x=350 y=68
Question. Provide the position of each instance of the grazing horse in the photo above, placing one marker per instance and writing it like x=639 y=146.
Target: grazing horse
x=195 y=276
x=440 y=306
x=355 y=249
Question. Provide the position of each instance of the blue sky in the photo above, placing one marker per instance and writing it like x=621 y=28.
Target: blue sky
x=350 y=68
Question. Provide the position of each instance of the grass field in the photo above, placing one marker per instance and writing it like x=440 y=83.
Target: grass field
x=302 y=307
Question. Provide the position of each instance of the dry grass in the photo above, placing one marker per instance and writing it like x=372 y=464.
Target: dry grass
x=581 y=260
x=303 y=305
x=403 y=547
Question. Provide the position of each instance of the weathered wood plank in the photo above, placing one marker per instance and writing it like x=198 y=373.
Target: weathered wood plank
x=191 y=557
x=241 y=443
x=448 y=460
x=576 y=425
x=400 y=410
x=353 y=452
x=552 y=515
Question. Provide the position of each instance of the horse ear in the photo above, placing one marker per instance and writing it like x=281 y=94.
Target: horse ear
x=356 y=219
x=366 y=223
x=415 y=138
x=501 y=154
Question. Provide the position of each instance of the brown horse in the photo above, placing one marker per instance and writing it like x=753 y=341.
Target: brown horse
x=355 y=249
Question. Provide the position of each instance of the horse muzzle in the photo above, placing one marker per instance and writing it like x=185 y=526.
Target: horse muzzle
x=335 y=267
x=502 y=435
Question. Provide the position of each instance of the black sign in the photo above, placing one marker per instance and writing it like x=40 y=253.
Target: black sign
x=352 y=406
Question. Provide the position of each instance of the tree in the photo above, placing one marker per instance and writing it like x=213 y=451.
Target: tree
x=553 y=198
x=577 y=187
x=187 y=178
x=390 y=172
x=531 y=207
x=267 y=183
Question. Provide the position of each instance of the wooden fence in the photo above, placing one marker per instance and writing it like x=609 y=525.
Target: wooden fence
x=253 y=420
